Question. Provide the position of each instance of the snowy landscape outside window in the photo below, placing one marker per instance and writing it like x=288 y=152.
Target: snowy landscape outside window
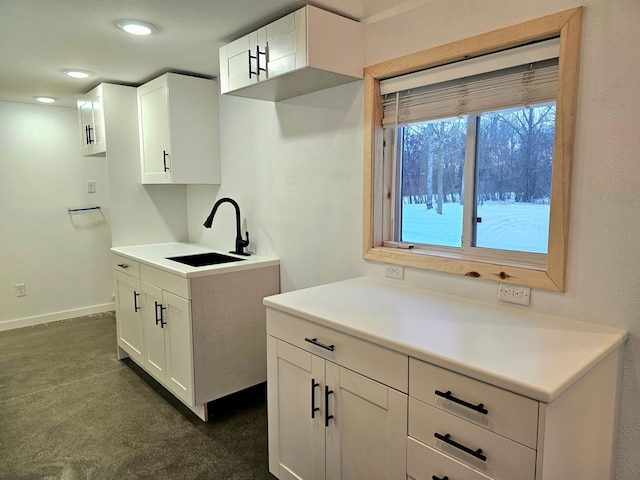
x=510 y=178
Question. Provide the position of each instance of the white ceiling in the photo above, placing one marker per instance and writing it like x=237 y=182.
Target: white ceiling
x=40 y=38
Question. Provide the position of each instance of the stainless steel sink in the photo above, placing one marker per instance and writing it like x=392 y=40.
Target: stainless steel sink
x=204 y=259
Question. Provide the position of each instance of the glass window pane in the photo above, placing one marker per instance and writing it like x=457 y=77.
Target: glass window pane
x=514 y=154
x=432 y=158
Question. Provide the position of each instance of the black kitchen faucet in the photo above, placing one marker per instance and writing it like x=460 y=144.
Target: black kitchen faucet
x=240 y=243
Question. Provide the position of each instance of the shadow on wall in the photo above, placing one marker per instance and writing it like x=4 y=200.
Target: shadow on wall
x=318 y=112
x=170 y=202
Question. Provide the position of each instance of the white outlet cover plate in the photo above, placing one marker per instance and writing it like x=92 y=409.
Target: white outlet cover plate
x=514 y=294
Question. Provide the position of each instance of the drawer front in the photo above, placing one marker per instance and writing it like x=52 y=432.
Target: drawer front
x=373 y=361
x=504 y=459
x=507 y=413
x=125 y=265
x=166 y=281
x=425 y=463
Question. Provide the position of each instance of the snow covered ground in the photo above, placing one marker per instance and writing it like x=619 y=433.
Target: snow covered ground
x=504 y=226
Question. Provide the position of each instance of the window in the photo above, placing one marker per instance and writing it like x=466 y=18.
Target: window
x=468 y=153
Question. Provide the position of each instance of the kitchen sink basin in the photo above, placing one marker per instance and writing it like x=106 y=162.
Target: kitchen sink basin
x=204 y=259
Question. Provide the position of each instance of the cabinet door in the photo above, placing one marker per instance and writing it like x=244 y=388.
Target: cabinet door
x=295 y=389
x=154 y=317
x=178 y=346
x=367 y=435
x=98 y=134
x=85 y=116
x=155 y=151
x=91 y=119
x=238 y=63
x=286 y=43
x=128 y=316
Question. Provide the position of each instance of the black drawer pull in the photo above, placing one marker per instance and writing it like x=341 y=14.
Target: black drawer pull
x=314 y=409
x=447 y=439
x=123 y=265
x=478 y=408
x=322 y=345
x=433 y=477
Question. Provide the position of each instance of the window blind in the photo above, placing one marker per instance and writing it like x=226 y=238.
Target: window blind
x=518 y=77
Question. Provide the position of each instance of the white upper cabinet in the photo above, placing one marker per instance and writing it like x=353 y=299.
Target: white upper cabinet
x=91 y=116
x=305 y=51
x=178 y=121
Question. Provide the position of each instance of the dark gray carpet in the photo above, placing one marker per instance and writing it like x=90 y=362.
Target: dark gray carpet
x=69 y=410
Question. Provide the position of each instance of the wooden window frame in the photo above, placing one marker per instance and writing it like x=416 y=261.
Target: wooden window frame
x=377 y=193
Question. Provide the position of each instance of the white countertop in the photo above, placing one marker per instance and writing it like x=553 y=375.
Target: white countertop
x=529 y=353
x=155 y=255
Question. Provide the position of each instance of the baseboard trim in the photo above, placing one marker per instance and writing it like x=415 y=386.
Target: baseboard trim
x=55 y=317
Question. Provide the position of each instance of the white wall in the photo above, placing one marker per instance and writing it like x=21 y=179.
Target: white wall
x=60 y=257
x=296 y=169
x=141 y=214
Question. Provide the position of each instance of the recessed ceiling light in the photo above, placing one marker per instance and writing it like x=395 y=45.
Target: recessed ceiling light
x=46 y=99
x=136 y=27
x=75 y=73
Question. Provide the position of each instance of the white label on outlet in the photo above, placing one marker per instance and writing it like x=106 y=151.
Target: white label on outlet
x=514 y=294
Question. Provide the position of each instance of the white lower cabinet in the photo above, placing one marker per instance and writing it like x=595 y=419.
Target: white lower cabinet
x=348 y=399
x=202 y=338
x=325 y=420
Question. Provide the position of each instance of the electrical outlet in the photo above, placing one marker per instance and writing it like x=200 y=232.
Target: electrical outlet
x=91 y=186
x=514 y=294
x=21 y=289
x=394 y=271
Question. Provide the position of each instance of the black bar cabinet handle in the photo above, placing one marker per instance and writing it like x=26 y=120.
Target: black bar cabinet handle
x=162 y=322
x=449 y=396
x=327 y=417
x=434 y=477
x=123 y=265
x=251 y=57
x=160 y=318
x=258 y=53
x=136 y=307
x=447 y=439
x=157 y=317
x=314 y=409
x=87 y=134
x=322 y=345
x=164 y=160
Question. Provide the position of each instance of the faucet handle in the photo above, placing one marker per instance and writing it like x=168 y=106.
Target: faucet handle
x=241 y=244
